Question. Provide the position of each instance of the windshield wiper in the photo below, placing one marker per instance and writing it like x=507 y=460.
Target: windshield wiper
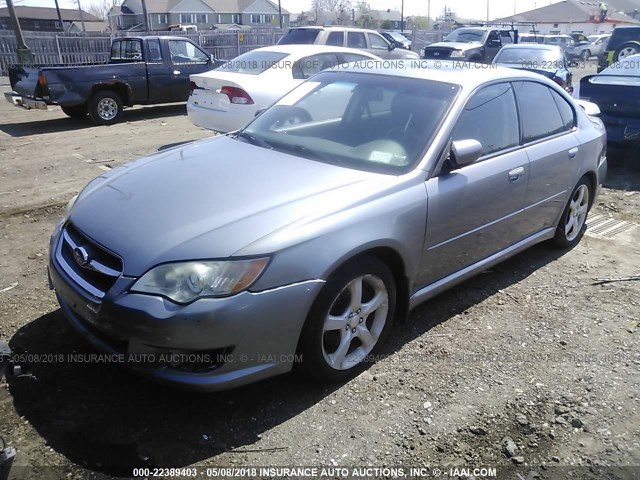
x=253 y=140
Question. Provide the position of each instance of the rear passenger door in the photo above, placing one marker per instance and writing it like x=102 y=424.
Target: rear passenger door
x=475 y=211
x=547 y=124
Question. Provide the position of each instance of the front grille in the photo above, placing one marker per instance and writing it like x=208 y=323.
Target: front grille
x=89 y=264
x=437 y=53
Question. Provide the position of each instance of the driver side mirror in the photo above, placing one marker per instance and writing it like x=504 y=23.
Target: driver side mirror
x=465 y=152
x=392 y=46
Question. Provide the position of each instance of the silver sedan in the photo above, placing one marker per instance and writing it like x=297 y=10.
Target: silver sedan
x=296 y=241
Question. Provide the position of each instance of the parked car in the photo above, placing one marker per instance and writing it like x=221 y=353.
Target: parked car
x=547 y=60
x=616 y=91
x=141 y=71
x=228 y=97
x=227 y=257
x=473 y=44
x=351 y=37
x=578 y=51
x=580 y=37
x=624 y=42
x=399 y=40
x=598 y=44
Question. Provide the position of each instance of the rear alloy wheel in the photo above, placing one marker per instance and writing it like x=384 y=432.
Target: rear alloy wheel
x=626 y=50
x=573 y=222
x=586 y=54
x=105 y=107
x=349 y=320
x=77 y=111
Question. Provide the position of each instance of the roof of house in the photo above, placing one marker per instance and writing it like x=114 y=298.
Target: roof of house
x=218 y=6
x=47 y=13
x=382 y=15
x=90 y=26
x=569 y=11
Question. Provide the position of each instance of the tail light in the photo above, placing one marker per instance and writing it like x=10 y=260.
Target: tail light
x=237 y=95
x=193 y=86
x=42 y=80
x=559 y=81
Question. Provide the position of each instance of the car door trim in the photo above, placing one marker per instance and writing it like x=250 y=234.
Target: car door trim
x=439 y=286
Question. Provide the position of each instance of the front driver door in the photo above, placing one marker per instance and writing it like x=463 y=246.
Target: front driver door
x=475 y=211
x=186 y=59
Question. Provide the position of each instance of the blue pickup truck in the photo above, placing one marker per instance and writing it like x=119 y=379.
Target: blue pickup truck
x=140 y=71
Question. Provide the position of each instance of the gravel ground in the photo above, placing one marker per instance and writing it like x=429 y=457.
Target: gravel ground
x=529 y=367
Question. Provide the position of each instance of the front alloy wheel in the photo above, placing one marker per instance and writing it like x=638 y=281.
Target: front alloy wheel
x=348 y=321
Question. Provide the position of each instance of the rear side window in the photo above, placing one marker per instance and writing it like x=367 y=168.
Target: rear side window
x=297 y=36
x=336 y=39
x=309 y=66
x=155 y=54
x=356 y=40
x=488 y=107
x=539 y=112
x=566 y=111
x=130 y=50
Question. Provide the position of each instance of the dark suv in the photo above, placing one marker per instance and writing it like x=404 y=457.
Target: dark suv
x=624 y=41
x=351 y=37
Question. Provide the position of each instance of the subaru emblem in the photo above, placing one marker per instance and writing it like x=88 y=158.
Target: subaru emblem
x=81 y=256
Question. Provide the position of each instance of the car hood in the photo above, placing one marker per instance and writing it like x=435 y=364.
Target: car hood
x=209 y=200
x=455 y=45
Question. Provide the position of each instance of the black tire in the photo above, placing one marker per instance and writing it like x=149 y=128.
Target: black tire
x=105 y=107
x=77 y=111
x=629 y=48
x=569 y=239
x=316 y=345
x=586 y=55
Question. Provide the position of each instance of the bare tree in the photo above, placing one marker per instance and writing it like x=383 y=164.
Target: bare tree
x=100 y=8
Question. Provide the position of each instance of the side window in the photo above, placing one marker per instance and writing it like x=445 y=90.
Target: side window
x=493 y=35
x=352 y=57
x=356 y=40
x=186 y=52
x=336 y=39
x=538 y=111
x=309 y=66
x=377 y=42
x=494 y=102
x=155 y=54
x=566 y=111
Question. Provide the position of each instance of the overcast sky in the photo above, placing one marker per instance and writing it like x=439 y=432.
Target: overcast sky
x=476 y=9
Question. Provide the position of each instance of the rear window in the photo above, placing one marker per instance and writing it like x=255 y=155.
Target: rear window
x=297 y=36
x=129 y=50
x=253 y=63
x=526 y=56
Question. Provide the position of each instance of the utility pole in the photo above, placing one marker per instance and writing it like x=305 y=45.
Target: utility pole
x=401 y=16
x=487 y=11
x=59 y=16
x=428 y=14
x=25 y=55
x=280 y=13
x=145 y=22
x=81 y=16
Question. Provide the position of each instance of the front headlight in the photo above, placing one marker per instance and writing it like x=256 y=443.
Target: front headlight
x=457 y=54
x=185 y=282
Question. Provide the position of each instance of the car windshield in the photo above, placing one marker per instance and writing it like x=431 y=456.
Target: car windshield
x=379 y=123
x=253 y=63
x=466 y=35
x=524 y=56
x=299 y=36
x=397 y=36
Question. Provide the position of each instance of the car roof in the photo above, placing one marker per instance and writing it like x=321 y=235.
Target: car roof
x=305 y=49
x=534 y=46
x=442 y=71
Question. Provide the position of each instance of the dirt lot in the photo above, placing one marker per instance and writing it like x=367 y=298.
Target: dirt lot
x=530 y=367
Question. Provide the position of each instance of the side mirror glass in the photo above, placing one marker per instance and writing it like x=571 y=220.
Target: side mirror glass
x=392 y=46
x=465 y=152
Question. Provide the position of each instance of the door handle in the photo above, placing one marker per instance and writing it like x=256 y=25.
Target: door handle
x=176 y=72
x=516 y=174
x=573 y=152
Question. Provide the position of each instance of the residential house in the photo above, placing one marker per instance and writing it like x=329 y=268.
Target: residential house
x=575 y=16
x=46 y=19
x=205 y=14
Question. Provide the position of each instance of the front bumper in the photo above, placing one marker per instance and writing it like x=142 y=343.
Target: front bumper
x=254 y=334
x=26 y=102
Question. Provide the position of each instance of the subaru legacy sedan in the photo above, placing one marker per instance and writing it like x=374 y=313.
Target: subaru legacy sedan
x=296 y=241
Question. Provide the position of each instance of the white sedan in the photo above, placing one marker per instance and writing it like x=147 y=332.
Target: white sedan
x=227 y=98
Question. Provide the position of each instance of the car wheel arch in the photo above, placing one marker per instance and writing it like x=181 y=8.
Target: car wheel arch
x=122 y=89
